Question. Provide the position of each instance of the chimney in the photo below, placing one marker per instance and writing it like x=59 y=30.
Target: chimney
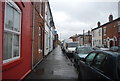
x=98 y=23
x=88 y=32
x=110 y=18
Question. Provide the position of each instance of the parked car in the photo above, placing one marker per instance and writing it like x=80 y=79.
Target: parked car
x=70 y=48
x=80 y=53
x=115 y=48
x=101 y=49
x=100 y=66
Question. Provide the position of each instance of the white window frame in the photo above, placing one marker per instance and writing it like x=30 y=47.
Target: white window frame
x=41 y=14
x=13 y=32
x=104 y=32
x=47 y=40
x=39 y=40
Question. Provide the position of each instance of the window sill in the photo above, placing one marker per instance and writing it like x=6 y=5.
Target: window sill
x=11 y=64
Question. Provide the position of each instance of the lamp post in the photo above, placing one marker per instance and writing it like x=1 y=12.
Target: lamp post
x=83 y=37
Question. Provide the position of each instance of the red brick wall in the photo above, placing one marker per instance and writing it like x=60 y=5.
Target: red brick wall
x=38 y=22
x=1 y=40
x=111 y=30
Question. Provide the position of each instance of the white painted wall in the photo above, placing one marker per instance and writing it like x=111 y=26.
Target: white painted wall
x=46 y=43
x=119 y=9
x=49 y=36
x=96 y=38
x=46 y=47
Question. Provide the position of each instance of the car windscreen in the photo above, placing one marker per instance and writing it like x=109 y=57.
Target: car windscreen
x=72 y=44
x=84 y=50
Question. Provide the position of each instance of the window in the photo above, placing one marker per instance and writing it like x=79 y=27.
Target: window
x=118 y=26
x=12 y=32
x=99 y=41
x=47 y=40
x=93 y=34
x=104 y=41
x=93 y=43
x=104 y=31
x=99 y=32
x=90 y=58
x=39 y=40
x=99 y=60
x=41 y=7
x=119 y=41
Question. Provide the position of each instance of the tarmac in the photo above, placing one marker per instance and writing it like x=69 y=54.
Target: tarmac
x=55 y=66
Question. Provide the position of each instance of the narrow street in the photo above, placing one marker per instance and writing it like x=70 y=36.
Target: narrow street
x=55 y=66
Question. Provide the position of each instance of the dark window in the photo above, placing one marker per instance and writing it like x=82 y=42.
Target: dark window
x=118 y=26
x=119 y=41
x=72 y=44
x=90 y=58
x=104 y=31
x=99 y=32
x=99 y=61
x=84 y=50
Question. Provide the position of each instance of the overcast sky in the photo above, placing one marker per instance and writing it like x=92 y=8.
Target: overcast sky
x=73 y=16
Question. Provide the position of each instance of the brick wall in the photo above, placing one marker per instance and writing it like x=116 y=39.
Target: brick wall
x=38 y=22
x=111 y=31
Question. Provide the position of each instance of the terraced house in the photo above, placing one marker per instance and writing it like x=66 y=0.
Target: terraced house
x=110 y=34
x=22 y=36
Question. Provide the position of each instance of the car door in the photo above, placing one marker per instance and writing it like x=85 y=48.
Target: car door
x=85 y=71
x=99 y=67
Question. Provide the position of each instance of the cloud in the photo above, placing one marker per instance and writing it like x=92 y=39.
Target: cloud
x=72 y=17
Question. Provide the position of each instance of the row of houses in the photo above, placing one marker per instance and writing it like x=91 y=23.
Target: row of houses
x=82 y=39
x=106 y=35
x=27 y=35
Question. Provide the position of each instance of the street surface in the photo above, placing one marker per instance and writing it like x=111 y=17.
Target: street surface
x=55 y=66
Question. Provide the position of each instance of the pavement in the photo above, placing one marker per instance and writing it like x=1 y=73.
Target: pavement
x=56 y=66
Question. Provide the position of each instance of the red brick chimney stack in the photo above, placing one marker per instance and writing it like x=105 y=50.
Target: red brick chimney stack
x=110 y=18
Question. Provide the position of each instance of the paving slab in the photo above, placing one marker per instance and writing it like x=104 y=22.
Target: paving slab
x=55 y=66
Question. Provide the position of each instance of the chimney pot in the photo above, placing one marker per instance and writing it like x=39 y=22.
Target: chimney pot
x=110 y=18
x=98 y=24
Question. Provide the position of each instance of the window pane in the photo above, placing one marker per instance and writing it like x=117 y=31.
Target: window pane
x=119 y=41
x=7 y=46
x=99 y=60
x=16 y=46
x=16 y=21
x=90 y=58
x=41 y=7
x=9 y=17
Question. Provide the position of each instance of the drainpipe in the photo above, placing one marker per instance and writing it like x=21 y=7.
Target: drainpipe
x=33 y=18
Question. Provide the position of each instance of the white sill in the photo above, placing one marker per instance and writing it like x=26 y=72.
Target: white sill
x=11 y=59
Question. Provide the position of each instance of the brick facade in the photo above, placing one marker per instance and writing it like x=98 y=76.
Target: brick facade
x=38 y=30
x=111 y=37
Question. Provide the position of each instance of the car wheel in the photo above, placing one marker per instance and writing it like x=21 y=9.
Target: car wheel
x=74 y=63
x=77 y=68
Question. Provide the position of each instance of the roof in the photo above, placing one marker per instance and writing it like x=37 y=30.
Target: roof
x=106 y=24
x=50 y=12
x=109 y=52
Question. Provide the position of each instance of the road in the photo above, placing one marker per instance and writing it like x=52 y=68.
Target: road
x=55 y=66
